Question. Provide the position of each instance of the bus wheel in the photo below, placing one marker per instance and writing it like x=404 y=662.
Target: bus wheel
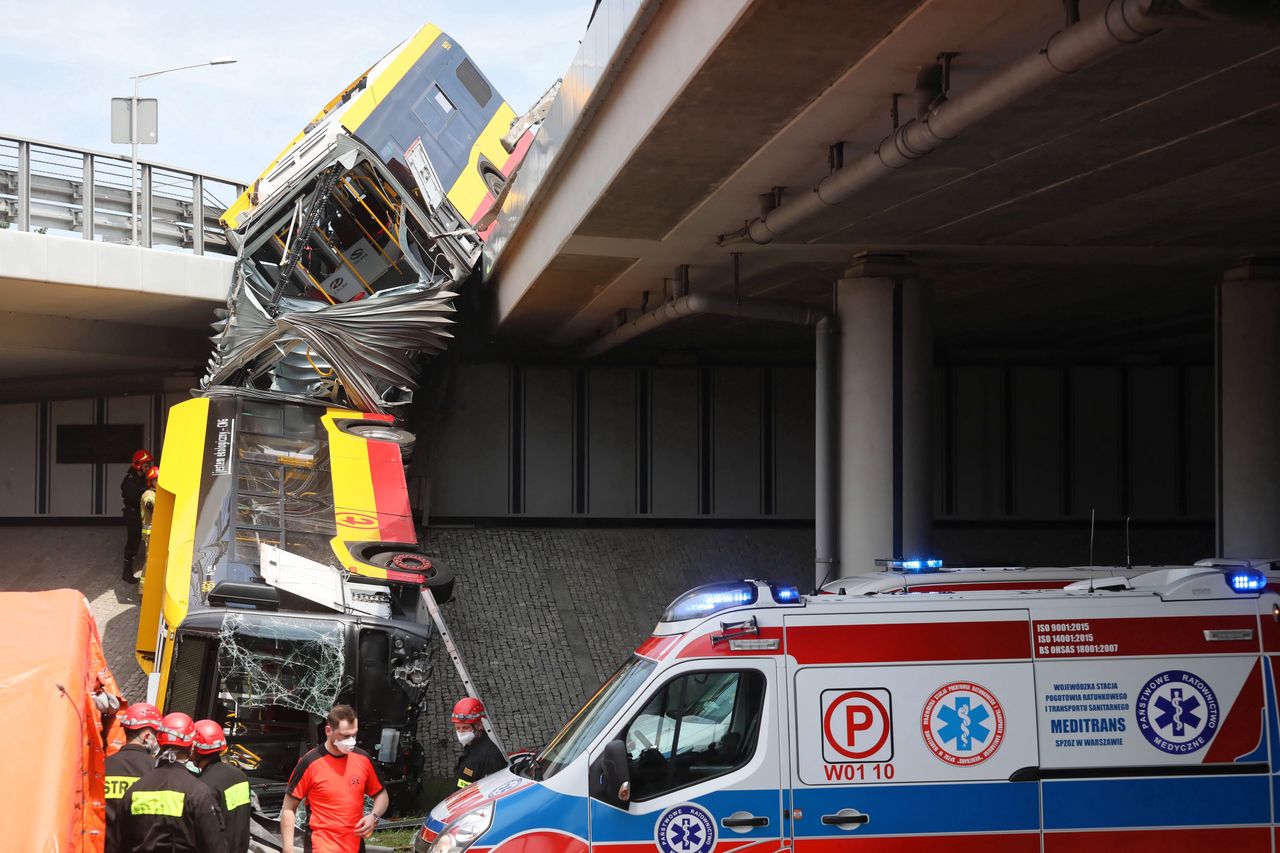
x=374 y=431
x=494 y=182
x=437 y=578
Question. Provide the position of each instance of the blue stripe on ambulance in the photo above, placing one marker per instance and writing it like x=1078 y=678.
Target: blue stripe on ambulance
x=1156 y=802
x=537 y=807
x=923 y=809
x=609 y=824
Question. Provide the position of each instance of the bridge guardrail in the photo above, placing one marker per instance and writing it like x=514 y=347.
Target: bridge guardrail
x=50 y=188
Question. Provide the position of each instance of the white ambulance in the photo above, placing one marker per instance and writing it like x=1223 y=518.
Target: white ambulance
x=757 y=720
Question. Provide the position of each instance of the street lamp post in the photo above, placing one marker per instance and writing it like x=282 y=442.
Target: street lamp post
x=133 y=132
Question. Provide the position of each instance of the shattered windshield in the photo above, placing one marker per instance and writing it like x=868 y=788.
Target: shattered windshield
x=281 y=661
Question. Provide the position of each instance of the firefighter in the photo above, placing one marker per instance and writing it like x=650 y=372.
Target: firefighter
x=131 y=489
x=147 y=507
x=480 y=755
x=134 y=760
x=169 y=809
x=230 y=785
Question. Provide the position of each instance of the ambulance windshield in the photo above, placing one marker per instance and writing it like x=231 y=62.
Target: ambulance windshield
x=591 y=719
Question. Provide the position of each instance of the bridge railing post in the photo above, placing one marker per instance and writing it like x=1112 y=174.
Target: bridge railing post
x=88 y=199
x=145 y=205
x=197 y=214
x=24 y=186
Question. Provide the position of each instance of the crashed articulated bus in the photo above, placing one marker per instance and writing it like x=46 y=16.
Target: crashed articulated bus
x=284 y=577
x=284 y=574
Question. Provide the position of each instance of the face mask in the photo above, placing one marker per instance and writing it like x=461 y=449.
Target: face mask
x=153 y=747
x=345 y=745
x=465 y=738
x=193 y=768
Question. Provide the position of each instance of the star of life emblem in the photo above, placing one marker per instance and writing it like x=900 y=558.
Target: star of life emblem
x=1177 y=712
x=686 y=828
x=962 y=723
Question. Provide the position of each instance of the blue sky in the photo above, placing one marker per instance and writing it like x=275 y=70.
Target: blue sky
x=62 y=62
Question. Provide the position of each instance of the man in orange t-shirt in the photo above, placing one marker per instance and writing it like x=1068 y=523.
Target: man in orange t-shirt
x=334 y=778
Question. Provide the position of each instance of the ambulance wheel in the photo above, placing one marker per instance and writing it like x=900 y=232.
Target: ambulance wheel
x=374 y=431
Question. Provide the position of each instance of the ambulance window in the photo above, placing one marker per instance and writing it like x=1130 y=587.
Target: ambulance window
x=696 y=727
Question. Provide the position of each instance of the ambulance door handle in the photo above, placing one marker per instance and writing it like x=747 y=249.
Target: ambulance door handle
x=846 y=819
x=744 y=821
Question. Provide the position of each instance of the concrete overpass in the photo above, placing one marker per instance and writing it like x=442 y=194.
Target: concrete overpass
x=992 y=186
x=83 y=313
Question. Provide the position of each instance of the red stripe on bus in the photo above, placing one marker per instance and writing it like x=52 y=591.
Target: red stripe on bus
x=1244 y=839
x=914 y=641
x=1149 y=635
x=390 y=494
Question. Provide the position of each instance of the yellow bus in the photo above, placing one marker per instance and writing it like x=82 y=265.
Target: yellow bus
x=284 y=576
x=406 y=160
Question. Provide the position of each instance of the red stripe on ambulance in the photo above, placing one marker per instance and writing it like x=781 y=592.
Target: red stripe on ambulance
x=656 y=648
x=1167 y=635
x=909 y=642
x=1240 y=839
x=1005 y=842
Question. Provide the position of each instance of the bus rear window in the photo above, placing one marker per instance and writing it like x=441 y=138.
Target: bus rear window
x=475 y=84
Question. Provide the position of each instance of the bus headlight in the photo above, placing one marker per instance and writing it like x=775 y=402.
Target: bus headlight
x=459 y=835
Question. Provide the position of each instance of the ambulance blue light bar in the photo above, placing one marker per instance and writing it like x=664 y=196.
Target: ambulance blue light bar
x=710 y=598
x=784 y=594
x=911 y=565
x=1247 y=580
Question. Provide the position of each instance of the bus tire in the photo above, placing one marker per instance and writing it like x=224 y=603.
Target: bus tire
x=494 y=182
x=437 y=578
x=375 y=431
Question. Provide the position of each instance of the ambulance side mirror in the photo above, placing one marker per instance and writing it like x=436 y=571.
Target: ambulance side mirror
x=610 y=777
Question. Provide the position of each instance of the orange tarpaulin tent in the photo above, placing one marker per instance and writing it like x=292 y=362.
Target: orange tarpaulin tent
x=51 y=663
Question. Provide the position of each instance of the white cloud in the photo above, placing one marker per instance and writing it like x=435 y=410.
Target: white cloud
x=63 y=61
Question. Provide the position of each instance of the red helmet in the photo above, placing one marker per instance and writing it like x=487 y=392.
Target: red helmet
x=468 y=710
x=141 y=715
x=209 y=738
x=153 y=474
x=176 y=729
x=141 y=459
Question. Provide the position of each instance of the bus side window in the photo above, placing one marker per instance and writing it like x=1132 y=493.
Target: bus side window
x=474 y=83
x=434 y=109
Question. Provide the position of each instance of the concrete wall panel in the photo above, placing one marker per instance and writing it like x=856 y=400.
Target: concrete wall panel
x=70 y=486
x=1096 y=442
x=548 y=441
x=18 y=464
x=611 y=442
x=1197 y=445
x=1037 y=442
x=470 y=474
x=793 y=460
x=1155 y=464
x=735 y=435
x=674 y=455
x=134 y=409
x=979 y=442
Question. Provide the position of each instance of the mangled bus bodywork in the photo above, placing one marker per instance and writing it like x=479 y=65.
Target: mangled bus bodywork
x=383 y=199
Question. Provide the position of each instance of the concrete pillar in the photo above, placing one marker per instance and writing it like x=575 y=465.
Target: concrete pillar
x=886 y=365
x=1248 y=416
